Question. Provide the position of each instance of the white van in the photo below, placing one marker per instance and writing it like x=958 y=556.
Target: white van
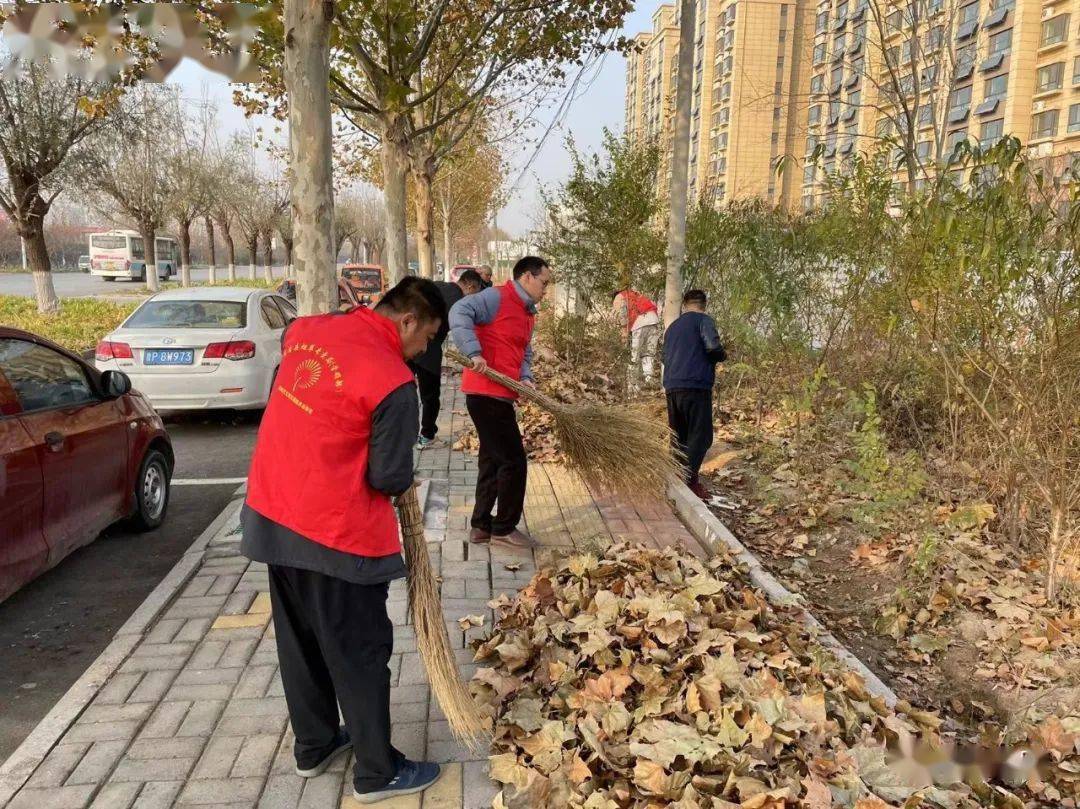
x=120 y=254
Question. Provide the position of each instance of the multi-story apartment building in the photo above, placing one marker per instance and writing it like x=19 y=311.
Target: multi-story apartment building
x=650 y=77
x=748 y=73
x=820 y=82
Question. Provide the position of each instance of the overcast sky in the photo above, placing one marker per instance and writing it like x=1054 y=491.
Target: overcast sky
x=597 y=102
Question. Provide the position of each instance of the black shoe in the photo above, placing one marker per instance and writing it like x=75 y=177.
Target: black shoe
x=412 y=777
x=341 y=744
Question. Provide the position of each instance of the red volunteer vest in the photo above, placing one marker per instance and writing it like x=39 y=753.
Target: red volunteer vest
x=636 y=305
x=309 y=469
x=502 y=344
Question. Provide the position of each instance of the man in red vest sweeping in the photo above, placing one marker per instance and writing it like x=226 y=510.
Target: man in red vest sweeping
x=639 y=316
x=334 y=446
x=494 y=328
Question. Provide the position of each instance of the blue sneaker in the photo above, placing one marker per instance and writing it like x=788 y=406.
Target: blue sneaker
x=412 y=777
x=424 y=441
x=341 y=744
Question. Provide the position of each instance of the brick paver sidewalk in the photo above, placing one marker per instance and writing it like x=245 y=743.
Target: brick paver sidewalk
x=196 y=716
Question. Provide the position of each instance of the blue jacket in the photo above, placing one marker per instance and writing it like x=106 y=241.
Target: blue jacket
x=691 y=350
x=479 y=310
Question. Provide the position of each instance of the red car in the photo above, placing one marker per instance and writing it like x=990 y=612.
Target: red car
x=79 y=450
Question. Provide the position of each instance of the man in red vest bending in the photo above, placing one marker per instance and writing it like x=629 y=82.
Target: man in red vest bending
x=641 y=320
x=334 y=446
x=495 y=329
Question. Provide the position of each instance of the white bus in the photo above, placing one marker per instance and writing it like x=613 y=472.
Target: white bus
x=120 y=254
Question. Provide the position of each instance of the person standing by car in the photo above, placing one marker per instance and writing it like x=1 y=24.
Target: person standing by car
x=334 y=446
x=639 y=316
x=691 y=350
x=428 y=366
x=494 y=328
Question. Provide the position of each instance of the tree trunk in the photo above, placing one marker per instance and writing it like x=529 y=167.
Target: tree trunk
x=311 y=190
x=395 y=167
x=185 y=253
x=37 y=258
x=288 y=256
x=268 y=258
x=680 y=165
x=423 y=177
x=253 y=254
x=148 y=231
x=447 y=248
x=213 y=249
x=230 y=249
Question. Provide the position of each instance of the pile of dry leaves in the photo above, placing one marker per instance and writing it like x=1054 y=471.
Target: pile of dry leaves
x=646 y=678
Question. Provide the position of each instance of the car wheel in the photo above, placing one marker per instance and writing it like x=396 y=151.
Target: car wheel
x=109 y=277
x=151 y=492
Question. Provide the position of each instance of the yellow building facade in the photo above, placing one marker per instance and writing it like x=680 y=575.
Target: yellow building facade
x=812 y=84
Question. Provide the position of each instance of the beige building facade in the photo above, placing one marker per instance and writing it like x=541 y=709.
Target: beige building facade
x=810 y=85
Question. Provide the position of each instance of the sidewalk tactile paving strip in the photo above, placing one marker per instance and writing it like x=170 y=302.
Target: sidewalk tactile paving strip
x=196 y=715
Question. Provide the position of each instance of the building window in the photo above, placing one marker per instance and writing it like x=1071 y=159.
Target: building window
x=954 y=140
x=859 y=35
x=1054 y=31
x=991 y=132
x=822 y=21
x=959 y=99
x=724 y=115
x=935 y=37
x=884 y=127
x=965 y=61
x=814 y=116
x=1001 y=43
x=838 y=47
x=1076 y=70
x=997 y=5
x=922 y=149
x=834 y=111
x=968 y=14
x=819 y=53
x=996 y=87
x=808 y=174
x=841 y=10
x=906 y=50
x=817 y=84
x=926 y=115
x=776 y=113
x=835 y=79
x=930 y=74
x=1074 y=118
x=1044 y=125
x=894 y=22
x=1050 y=77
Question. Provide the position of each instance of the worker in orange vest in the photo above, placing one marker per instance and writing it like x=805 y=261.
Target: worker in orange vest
x=335 y=445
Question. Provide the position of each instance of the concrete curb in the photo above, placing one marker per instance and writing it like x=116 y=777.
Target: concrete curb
x=21 y=764
x=712 y=534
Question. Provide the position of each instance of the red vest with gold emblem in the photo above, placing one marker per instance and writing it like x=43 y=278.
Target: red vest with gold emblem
x=502 y=343
x=309 y=469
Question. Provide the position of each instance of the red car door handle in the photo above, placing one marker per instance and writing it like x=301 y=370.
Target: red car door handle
x=55 y=441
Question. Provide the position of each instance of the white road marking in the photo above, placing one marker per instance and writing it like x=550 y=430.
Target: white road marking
x=207 y=481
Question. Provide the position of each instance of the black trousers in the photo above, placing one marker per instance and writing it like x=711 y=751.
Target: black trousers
x=430 y=385
x=334 y=641
x=503 y=466
x=690 y=418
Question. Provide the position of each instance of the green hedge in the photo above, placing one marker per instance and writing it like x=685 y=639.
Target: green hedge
x=79 y=324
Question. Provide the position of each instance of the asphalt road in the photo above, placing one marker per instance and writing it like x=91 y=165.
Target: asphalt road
x=55 y=627
x=82 y=285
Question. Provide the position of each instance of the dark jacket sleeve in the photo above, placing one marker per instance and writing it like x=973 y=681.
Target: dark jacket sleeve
x=714 y=349
x=394 y=426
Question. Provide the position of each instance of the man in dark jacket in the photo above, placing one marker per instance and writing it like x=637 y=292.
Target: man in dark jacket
x=428 y=366
x=691 y=350
x=334 y=446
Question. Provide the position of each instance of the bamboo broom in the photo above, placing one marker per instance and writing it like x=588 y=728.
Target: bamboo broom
x=462 y=713
x=616 y=450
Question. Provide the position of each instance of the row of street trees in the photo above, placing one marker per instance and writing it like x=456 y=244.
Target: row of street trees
x=416 y=79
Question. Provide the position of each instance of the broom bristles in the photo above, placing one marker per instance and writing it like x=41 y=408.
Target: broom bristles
x=462 y=713
x=616 y=450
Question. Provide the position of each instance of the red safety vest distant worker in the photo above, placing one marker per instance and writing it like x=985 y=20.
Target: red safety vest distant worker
x=641 y=320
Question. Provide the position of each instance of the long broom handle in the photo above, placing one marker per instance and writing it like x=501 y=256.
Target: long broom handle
x=532 y=394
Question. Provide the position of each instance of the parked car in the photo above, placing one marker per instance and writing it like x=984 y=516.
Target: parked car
x=368 y=280
x=206 y=347
x=347 y=296
x=84 y=263
x=79 y=451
